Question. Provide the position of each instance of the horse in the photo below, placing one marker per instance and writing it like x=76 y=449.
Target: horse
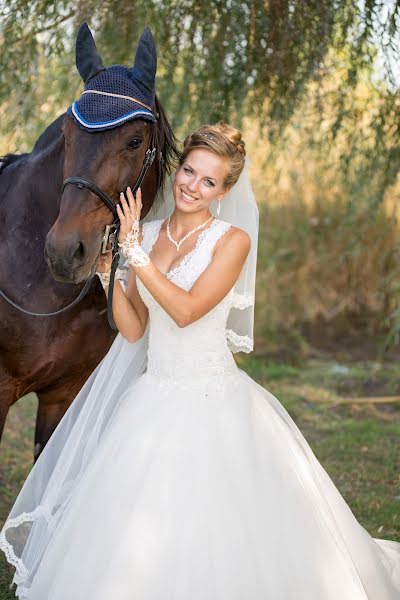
x=50 y=238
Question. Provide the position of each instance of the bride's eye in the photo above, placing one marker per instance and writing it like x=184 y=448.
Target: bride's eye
x=187 y=170
x=209 y=183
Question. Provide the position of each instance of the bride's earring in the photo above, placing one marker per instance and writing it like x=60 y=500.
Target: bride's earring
x=219 y=207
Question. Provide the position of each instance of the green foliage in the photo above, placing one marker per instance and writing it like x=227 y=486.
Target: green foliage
x=328 y=261
x=216 y=59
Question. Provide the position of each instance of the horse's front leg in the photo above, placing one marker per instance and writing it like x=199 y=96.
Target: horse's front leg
x=53 y=404
x=8 y=396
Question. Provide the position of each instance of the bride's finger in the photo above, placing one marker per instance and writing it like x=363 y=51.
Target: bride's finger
x=130 y=196
x=139 y=198
x=120 y=210
x=132 y=203
x=139 y=202
x=121 y=215
x=125 y=206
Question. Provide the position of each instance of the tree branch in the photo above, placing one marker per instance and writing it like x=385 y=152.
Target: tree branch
x=45 y=28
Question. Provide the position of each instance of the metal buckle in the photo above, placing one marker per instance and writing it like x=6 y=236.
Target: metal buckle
x=149 y=156
x=110 y=236
x=152 y=155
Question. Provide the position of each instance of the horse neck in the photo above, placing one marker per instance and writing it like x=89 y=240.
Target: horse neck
x=46 y=166
x=30 y=188
x=30 y=195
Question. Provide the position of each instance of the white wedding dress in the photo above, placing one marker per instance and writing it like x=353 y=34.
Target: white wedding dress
x=189 y=481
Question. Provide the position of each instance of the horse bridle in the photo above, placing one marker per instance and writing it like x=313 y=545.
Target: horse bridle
x=110 y=235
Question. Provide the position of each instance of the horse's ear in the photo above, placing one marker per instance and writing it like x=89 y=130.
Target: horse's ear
x=88 y=61
x=145 y=65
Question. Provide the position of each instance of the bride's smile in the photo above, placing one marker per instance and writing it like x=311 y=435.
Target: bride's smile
x=199 y=180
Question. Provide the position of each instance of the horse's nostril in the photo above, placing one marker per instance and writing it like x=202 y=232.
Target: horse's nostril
x=79 y=254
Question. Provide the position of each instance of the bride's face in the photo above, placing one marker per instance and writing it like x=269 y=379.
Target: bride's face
x=199 y=180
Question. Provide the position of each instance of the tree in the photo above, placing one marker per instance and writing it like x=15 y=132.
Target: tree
x=217 y=59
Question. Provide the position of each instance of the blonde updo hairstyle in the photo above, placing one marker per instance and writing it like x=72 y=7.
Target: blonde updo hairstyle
x=223 y=140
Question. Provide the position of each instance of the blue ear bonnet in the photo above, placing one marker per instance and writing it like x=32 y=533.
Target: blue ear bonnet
x=116 y=94
x=111 y=98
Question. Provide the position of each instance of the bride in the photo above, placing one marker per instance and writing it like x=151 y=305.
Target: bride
x=174 y=475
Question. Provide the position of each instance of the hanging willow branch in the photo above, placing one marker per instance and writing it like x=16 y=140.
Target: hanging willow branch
x=216 y=59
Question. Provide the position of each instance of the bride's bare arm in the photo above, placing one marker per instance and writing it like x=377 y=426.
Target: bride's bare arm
x=210 y=288
x=125 y=315
x=129 y=311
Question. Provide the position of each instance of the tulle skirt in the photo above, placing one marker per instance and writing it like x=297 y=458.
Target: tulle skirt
x=156 y=489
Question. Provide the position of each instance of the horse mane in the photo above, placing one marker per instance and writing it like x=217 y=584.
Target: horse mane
x=41 y=143
x=9 y=159
x=166 y=144
x=49 y=134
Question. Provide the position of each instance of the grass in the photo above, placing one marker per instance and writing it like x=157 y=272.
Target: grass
x=357 y=442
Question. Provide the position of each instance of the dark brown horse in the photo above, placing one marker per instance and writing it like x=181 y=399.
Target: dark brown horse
x=53 y=356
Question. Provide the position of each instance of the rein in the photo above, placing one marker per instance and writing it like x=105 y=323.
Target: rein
x=110 y=235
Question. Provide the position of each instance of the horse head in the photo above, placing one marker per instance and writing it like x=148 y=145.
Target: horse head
x=107 y=133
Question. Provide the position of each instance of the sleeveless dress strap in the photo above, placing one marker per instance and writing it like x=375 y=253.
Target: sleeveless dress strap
x=194 y=263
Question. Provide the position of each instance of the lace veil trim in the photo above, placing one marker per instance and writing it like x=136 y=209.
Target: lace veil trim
x=242 y=300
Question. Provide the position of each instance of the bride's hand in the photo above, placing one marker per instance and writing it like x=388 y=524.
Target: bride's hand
x=129 y=213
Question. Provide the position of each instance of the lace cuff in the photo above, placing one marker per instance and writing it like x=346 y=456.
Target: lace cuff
x=132 y=251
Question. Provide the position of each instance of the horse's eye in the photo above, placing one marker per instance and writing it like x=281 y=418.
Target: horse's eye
x=134 y=143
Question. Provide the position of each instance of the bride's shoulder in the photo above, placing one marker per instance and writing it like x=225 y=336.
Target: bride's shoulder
x=235 y=236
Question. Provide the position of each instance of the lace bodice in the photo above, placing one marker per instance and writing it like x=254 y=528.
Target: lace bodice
x=199 y=349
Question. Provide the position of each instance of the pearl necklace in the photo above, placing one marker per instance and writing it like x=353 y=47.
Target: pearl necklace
x=178 y=244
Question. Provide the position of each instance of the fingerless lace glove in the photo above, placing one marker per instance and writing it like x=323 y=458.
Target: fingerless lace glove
x=132 y=250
